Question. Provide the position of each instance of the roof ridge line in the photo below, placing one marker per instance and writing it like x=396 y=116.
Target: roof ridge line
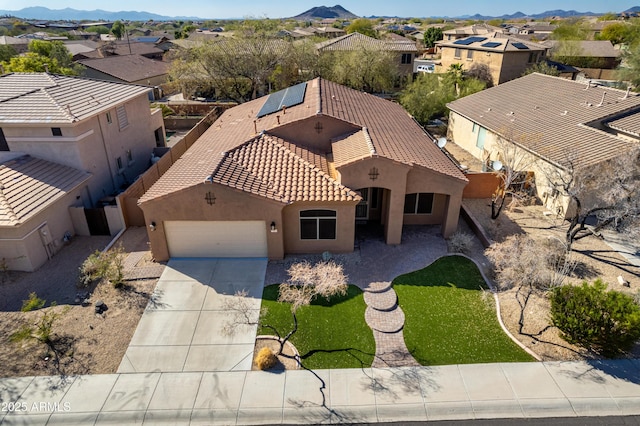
x=367 y=139
x=5 y=205
x=66 y=110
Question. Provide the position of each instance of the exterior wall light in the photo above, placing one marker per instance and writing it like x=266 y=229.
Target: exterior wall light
x=152 y=226
x=273 y=227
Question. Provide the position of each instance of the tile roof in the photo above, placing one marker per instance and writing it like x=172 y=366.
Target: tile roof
x=381 y=128
x=57 y=99
x=28 y=185
x=506 y=43
x=357 y=41
x=128 y=68
x=551 y=116
x=473 y=30
x=592 y=48
x=629 y=123
x=267 y=166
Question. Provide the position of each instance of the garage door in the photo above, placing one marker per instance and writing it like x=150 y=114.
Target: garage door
x=216 y=239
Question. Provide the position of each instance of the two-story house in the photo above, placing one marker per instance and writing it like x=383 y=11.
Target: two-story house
x=80 y=140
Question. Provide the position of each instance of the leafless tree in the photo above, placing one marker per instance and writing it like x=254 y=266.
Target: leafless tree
x=532 y=267
x=516 y=162
x=306 y=283
x=609 y=191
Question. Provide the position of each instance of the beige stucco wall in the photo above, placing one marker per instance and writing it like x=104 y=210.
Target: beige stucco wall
x=21 y=246
x=314 y=133
x=461 y=132
x=81 y=145
x=391 y=176
x=345 y=228
x=230 y=205
x=503 y=66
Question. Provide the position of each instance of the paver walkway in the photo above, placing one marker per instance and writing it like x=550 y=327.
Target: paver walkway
x=386 y=319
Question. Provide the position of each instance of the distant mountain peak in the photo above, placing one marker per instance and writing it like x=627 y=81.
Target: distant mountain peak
x=324 y=12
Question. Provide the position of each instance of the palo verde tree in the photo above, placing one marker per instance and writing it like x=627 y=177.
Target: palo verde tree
x=42 y=56
x=610 y=192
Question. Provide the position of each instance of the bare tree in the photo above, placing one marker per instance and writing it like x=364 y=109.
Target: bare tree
x=514 y=179
x=531 y=267
x=610 y=192
x=306 y=283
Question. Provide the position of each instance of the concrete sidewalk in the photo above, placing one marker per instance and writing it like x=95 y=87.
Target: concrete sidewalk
x=473 y=391
x=182 y=326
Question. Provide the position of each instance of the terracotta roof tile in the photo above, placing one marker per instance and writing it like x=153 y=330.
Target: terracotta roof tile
x=392 y=133
x=128 y=68
x=357 y=41
x=552 y=116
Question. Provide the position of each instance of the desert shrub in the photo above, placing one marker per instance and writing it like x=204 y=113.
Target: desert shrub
x=460 y=242
x=266 y=359
x=101 y=265
x=42 y=331
x=32 y=303
x=606 y=322
x=522 y=261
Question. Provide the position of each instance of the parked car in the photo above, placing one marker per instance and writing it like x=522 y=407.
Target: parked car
x=426 y=68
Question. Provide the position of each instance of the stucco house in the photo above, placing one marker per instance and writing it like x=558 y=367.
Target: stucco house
x=468 y=31
x=405 y=50
x=295 y=171
x=506 y=56
x=66 y=144
x=551 y=120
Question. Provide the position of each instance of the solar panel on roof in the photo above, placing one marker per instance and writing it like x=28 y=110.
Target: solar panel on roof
x=463 y=42
x=288 y=97
x=520 y=45
x=491 y=44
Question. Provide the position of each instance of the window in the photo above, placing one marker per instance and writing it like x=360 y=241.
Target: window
x=56 y=131
x=4 y=146
x=318 y=225
x=109 y=119
x=421 y=203
x=129 y=157
x=123 y=121
x=457 y=53
x=470 y=55
x=119 y=164
x=482 y=134
x=533 y=57
x=406 y=58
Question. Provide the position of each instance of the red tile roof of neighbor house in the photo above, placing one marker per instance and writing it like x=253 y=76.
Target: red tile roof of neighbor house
x=129 y=68
x=553 y=116
x=239 y=151
x=28 y=185
x=357 y=41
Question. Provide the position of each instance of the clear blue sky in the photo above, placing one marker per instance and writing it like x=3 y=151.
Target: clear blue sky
x=279 y=9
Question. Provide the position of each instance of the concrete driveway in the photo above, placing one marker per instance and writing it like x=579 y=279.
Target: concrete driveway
x=182 y=326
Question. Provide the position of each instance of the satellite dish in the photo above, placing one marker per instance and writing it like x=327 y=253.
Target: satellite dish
x=442 y=142
x=497 y=165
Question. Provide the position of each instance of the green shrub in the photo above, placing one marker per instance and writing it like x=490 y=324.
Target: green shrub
x=606 y=322
x=100 y=265
x=32 y=303
x=42 y=332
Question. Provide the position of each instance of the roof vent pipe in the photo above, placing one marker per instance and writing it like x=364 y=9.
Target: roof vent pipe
x=602 y=101
x=626 y=95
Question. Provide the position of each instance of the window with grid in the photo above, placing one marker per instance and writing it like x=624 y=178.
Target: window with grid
x=406 y=58
x=318 y=225
x=418 y=203
x=457 y=53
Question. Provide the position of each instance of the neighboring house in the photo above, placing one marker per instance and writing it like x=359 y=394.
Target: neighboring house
x=78 y=48
x=552 y=119
x=35 y=200
x=405 y=51
x=100 y=127
x=471 y=30
x=134 y=69
x=122 y=48
x=596 y=59
x=507 y=57
x=20 y=45
x=295 y=171
x=536 y=30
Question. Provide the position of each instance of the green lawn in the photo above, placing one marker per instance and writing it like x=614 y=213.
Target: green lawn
x=448 y=321
x=331 y=334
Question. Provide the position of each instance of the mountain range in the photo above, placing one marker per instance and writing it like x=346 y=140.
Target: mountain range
x=320 y=12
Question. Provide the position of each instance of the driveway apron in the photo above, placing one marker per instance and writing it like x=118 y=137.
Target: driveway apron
x=183 y=326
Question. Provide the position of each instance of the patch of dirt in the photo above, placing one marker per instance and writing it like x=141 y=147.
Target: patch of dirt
x=595 y=259
x=83 y=342
x=284 y=362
